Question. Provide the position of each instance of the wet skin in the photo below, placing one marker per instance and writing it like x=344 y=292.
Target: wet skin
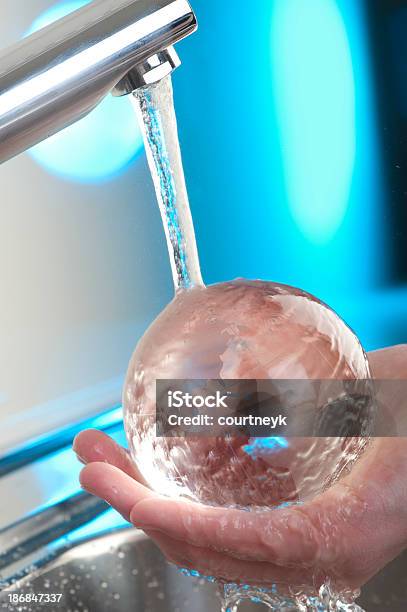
x=348 y=533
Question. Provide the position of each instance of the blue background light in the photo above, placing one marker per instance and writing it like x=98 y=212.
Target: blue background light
x=284 y=155
x=101 y=145
x=315 y=101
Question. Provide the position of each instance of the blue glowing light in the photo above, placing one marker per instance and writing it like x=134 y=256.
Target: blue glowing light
x=101 y=145
x=315 y=105
x=259 y=446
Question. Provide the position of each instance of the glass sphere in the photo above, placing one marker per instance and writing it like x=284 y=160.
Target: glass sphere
x=243 y=330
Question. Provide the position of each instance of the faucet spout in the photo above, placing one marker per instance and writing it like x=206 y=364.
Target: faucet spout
x=58 y=75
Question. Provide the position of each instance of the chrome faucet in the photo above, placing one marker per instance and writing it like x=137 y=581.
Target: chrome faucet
x=59 y=74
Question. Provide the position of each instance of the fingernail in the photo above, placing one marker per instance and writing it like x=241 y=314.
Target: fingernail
x=79 y=458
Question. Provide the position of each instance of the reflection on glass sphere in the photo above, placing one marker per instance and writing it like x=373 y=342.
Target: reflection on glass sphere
x=243 y=330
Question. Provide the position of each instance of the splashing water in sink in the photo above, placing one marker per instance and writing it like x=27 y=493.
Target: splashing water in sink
x=236 y=330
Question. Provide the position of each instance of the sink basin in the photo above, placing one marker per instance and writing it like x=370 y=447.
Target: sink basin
x=118 y=572
x=124 y=571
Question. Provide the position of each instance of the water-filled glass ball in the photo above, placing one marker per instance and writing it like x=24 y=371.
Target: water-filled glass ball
x=246 y=330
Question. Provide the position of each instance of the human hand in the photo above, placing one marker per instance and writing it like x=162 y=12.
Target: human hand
x=347 y=534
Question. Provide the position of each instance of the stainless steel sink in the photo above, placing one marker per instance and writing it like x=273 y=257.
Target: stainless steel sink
x=120 y=572
x=124 y=571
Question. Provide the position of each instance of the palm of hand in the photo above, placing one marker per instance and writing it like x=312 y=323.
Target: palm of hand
x=347 y=534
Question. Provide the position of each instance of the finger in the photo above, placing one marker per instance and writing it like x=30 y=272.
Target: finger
x=332 y=532
x=117 y=488
x=210 y=563
x=389 y=363
x=279 y=536
x=95 y=446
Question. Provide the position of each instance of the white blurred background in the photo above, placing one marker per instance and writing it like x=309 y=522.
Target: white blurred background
x=83 y=266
